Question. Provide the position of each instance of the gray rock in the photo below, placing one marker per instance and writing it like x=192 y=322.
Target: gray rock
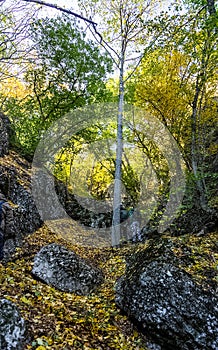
x=169 y=306
x=15 y=185
x=12 y=327
x=9 y=249
x=65 y=270
x=4 y=137
x=26 y=216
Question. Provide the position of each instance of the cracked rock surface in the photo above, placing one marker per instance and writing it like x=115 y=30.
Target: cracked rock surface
x=65 y=270
x=166 y=302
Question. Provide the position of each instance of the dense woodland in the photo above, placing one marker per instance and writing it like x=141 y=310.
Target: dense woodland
x=49 y=66
x=167 y=54
x=157 y=63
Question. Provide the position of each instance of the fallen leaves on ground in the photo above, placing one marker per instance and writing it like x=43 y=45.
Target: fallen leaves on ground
x=199 y=256
x=65 y=321
x=58 y=320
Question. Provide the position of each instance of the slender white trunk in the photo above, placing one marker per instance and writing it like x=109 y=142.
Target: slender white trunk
x=116 y=234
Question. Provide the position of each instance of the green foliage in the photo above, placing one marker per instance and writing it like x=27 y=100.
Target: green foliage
x=8 y=46
x=102 y=175
x=100 y=178
x=71 y=69
x=177 y=83
x=83 y=165
x=74 y=161
x=67 y=72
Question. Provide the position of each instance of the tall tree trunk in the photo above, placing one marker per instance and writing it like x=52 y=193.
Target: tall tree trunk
x=116 y=232
x=195 y=150
x=199 y=87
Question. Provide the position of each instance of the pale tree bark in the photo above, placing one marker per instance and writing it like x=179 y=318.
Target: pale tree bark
x=127 y=19
x=116 y=233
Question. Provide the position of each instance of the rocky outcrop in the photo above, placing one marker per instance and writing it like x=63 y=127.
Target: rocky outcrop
x=15 y=185
x=12 y=327
x=65 y=270
x=166 y=302
x=195 y=220
x=4 y=135
x=15 y=188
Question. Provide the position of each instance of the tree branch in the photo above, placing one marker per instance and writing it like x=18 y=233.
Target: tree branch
x=59 y=8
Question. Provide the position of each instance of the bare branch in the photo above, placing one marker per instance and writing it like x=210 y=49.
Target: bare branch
x=59 y=8
x=105 y=45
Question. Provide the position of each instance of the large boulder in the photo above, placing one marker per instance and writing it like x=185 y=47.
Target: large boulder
x=12 y=327
x=65 y=270
x=55 y=201
x=166 y=302
x=15 y=185
x=4 y=137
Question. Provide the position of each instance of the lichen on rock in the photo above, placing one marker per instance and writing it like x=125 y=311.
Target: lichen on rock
x=65 y=270
x=165 y=300
x=12 y=327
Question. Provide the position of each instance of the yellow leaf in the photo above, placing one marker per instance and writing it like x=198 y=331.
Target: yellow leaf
x=81 y=320
x=25 y=300
x=135 y=334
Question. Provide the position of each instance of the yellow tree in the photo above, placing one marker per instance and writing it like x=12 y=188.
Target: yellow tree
x=180 y=91
x=162 y=87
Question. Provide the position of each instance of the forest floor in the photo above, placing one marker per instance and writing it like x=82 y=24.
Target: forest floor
x=65 y=321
